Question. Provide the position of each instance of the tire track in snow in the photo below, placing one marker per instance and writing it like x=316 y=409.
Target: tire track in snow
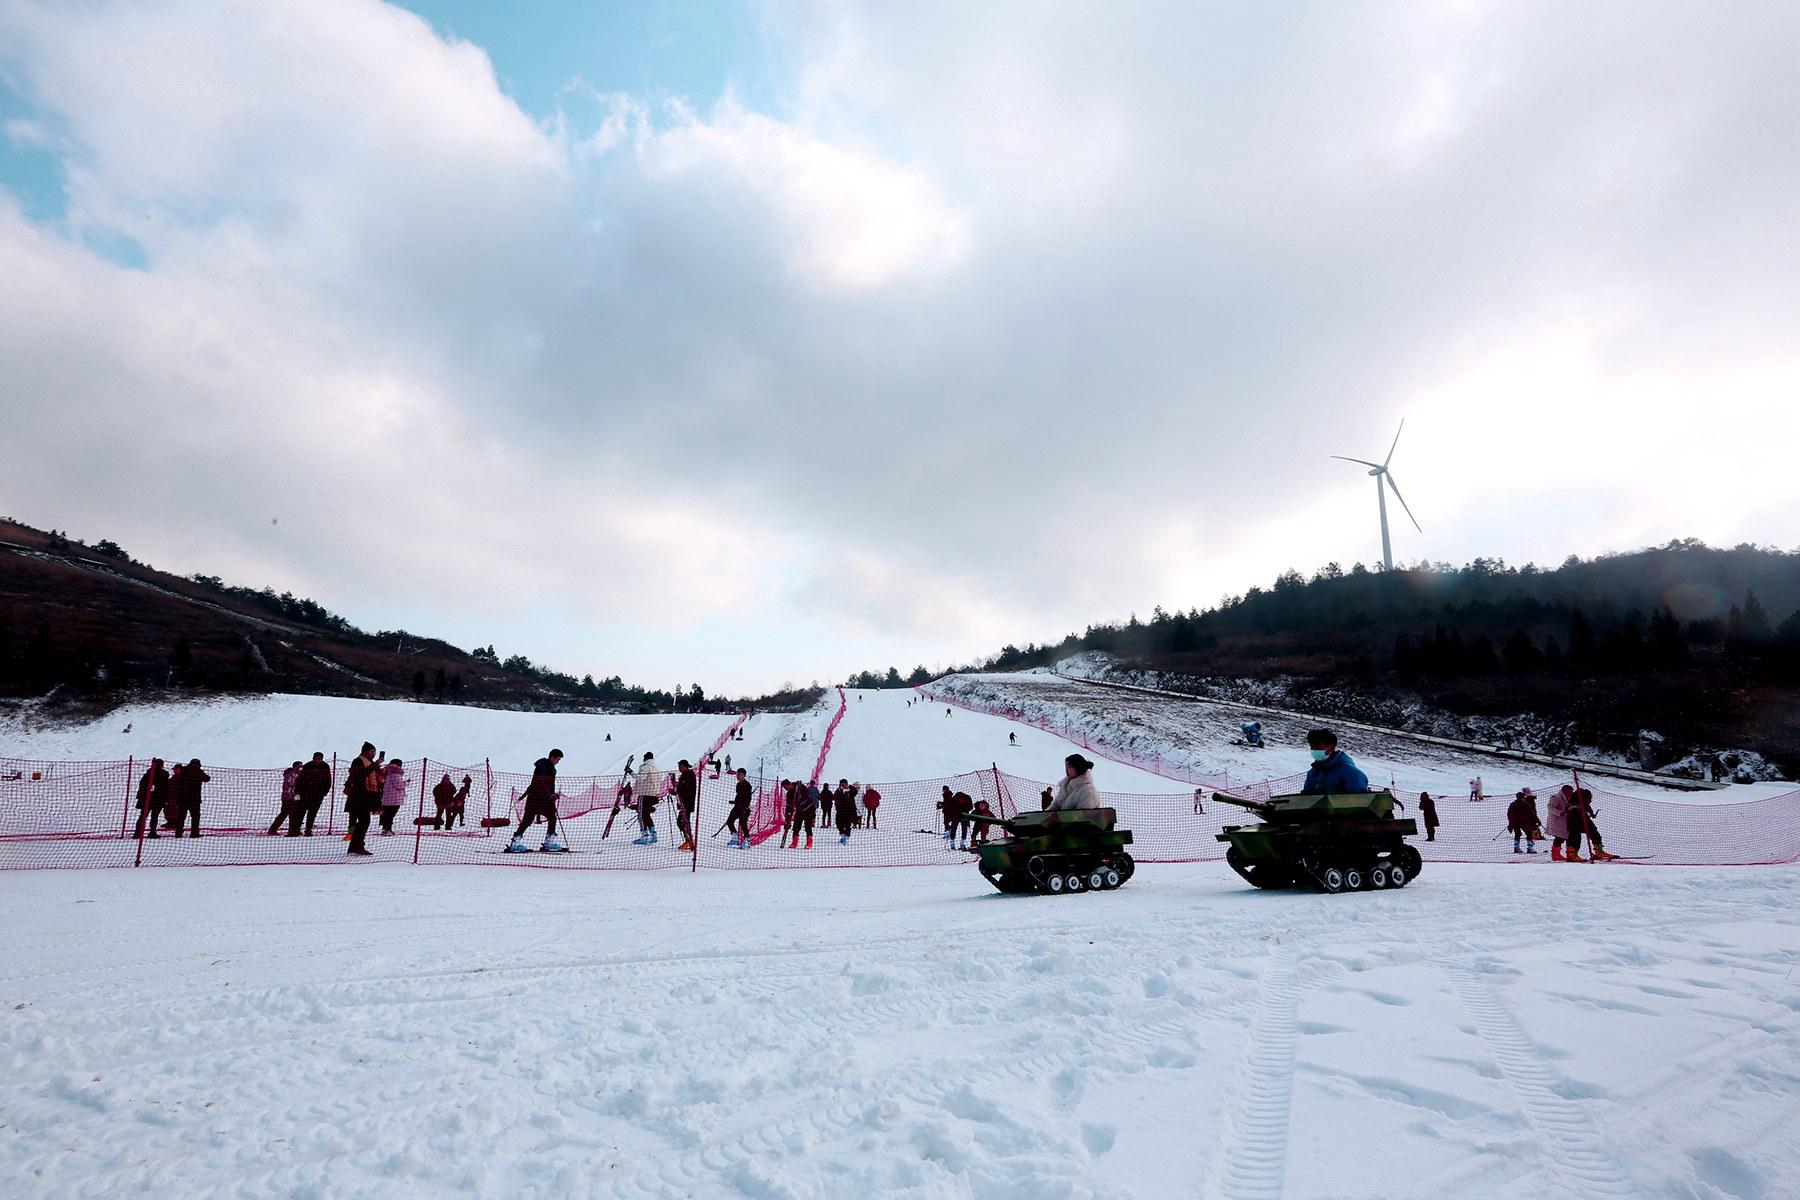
x=1584 y=1167
x=1255 y=1155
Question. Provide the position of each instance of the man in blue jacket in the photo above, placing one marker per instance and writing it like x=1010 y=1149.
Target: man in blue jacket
x=1332 y=772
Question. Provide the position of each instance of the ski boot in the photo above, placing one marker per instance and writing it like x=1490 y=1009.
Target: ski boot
x=686 y=845
x=644 y=839
x=1600 y=855
x=844 y=840
x=1573 y=856
x=517 y=846
x=1531 y=847
x=1556 y=854
x=553 y=845
x=809 y=841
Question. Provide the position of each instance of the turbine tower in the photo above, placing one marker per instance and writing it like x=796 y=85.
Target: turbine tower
x=1384 y=479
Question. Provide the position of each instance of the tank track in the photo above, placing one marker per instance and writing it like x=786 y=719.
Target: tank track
x=1340 y=871
x=1064 y=873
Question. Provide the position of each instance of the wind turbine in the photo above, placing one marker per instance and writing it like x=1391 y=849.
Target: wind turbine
x=1384 y=479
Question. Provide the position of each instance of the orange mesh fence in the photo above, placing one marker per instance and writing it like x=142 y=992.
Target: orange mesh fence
x=87 y=814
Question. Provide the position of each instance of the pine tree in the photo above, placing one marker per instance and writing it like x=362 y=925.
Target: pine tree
x=1747 y=627
x=419 y=684
x=1521 y=654
x=1482 y=659
x=1584 y=651
x=1666 y=646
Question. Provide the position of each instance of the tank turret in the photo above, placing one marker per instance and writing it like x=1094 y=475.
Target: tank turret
x=1344 y=842
x=1072 y=850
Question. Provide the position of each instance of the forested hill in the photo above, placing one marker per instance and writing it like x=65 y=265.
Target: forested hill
x=88 y=621
x=1700 y=644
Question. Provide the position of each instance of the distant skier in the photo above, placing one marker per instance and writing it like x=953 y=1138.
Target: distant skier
x=540 y=801
x=1077 y=790
x=1012 y=739
x=393 y=795
x=290 y=808
x=946 y=712
x=1332 y=772
x=737 y=822
x=1428 y=814
x=153 y=793
x=647 y=785
x=312 y=787
x=687 y=793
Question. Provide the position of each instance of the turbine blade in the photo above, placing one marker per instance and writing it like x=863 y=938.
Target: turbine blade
x=1397 y=433
x=1389 y=476
x=1365 y=462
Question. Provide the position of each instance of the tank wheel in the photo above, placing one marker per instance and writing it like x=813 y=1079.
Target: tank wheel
x=1396 y=875
x=1126 y=866
x=1053 y=884
x=1072 y=882
x=1354 y=879
x=1331 y=879
x=1096 y=880
x=1409 y=858
x=1112 y=877
x=1378 y=876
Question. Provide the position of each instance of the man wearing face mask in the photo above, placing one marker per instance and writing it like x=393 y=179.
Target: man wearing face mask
x=1332 y=772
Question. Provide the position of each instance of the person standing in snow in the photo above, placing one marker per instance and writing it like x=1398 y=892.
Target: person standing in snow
x=311 y=788
x=1012 y=739
x=1428 y=813
x=806 y=811
x=846 y=818
x=1046 y=800
x=647 y=785
x=171 y=808
x=362 y=797
x=153 y=793
x=1199 y=795
x=737 y=822
x=846 y=798
x=1077 y=790
x=442 y=797
x=1584 y=804
x=1332 y=773
x=187 y=795
x=393 y=795
x=1557 y=821
x=872 y=803
x=1521 y=821
x=540 y=801
x=687 y=793
x=827 y=805
x=290 y=808
x=980 y=818
x=459 y=805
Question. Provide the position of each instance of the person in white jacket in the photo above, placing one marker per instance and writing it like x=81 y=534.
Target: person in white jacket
x=1077 y=788
x=647 y=786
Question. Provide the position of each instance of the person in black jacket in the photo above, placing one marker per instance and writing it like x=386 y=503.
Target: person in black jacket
x=540 y=801
x=152 y=793
x=312 y=787
x=737 y=822
x=362 y=796
x=187 y=795
x=687 y=792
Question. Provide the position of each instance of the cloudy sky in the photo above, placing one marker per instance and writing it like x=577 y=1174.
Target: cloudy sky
x=693 y=342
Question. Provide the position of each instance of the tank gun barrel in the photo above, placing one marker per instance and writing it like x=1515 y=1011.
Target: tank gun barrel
x=1259 y=807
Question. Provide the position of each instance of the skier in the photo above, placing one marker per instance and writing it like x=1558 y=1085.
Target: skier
x=1560 y=829
x=443 y=796
x=648 y=787
x=362 y=796
x=152 y=793
x=738 y=821
x=312 y=787
x=1332 y=771
x=1076 y=791
x=289 y=810
x=872 y=802
x=187 y=795
x=1584 y=802
x=846 y=818
x=946 y=712
x=1012 y=739
x=540 y=801
x=393 y=795
x=1521 y=821
x=1428 y=813
x=687 y=791
x=806 y=810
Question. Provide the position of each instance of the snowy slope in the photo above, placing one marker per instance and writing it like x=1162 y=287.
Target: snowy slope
x=386 y=1031
x=274 y=730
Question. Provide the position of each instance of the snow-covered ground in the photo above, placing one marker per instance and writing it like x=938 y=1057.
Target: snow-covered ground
x=387 y=1031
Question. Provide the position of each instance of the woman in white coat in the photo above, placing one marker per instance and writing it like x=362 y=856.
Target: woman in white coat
x=1077 y=788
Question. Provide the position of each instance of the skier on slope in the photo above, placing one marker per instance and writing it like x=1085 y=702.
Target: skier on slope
x=1076 y=791
x=540 y=801
x=1332 y=772
x=647 y=786
x=738 y=820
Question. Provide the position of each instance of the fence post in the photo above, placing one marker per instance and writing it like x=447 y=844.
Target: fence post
x=999 y=791
x=694 y=820
x=486 y=829
x=151 y=819
x=125 y=821
x=418 y=828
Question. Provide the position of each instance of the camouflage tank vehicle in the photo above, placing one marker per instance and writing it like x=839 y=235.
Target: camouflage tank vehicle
x=1076 y=850
x=1343 y=843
